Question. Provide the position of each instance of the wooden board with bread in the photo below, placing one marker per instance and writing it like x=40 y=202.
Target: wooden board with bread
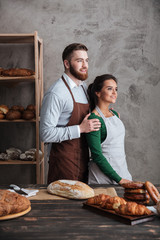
x=131 y=209
x=127 y=219
x=13 y=205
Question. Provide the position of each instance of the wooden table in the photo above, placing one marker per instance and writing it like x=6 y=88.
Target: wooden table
x=67 y=219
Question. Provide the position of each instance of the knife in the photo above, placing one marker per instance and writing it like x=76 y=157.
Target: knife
x=17 y=189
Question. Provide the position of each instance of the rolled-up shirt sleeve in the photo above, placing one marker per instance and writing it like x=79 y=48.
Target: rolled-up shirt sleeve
x=50 y=131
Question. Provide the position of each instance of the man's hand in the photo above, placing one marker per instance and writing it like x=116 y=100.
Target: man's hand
x=89 y=125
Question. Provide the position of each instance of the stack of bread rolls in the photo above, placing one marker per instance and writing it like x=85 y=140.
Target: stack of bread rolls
x=136 y=192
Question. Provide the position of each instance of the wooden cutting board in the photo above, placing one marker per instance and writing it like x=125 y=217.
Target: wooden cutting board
x=15 y=215
x=44 y=195
x=130 y=220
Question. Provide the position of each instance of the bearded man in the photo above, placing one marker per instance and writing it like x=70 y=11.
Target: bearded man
x=64 y=118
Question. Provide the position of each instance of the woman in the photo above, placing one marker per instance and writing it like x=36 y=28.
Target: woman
x=108 y=164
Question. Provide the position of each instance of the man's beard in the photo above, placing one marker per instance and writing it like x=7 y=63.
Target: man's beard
x=78 y=75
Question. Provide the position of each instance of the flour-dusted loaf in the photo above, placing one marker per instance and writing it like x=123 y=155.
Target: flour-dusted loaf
x=70 y=189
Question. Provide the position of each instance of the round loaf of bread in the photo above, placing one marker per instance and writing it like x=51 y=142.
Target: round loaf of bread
x=2 y=116
x=4 y=109
x=13 y=115
x=17 y=108
x=31 y=107
x=28 y=115
x=13 y=153
x=1 y=70
x=70 y=189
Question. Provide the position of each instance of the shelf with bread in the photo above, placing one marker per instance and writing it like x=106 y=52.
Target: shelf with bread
x=16 y=162
x=17 y=77
x=17 y=156
x=7 y=79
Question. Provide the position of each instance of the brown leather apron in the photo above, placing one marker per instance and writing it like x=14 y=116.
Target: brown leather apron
x=69 y=159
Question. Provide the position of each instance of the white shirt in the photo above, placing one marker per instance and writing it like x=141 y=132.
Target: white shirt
x=57 y=107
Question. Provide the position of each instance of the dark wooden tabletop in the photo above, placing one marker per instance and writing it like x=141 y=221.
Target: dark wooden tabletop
x=67 y=219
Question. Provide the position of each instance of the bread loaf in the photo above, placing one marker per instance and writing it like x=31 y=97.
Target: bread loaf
x=15 y=72
x=28 y=115
x=4 y=109
x=13 y=153
x=1 y=70
x=2 y=116
x=13 y=115
x=70 y=189
x=17 y=108
x=31 y=107
x=11 y=202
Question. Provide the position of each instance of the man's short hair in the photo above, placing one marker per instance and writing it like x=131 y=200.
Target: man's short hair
x=72 y=47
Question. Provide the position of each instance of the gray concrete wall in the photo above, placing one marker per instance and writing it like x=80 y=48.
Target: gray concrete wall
x=123 y=37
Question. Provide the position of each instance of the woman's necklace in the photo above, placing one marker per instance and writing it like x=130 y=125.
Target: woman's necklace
x=108 y=113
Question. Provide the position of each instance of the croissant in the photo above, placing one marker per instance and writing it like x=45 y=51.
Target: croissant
x=113 y=202
x=132 y=208
x=98 y=199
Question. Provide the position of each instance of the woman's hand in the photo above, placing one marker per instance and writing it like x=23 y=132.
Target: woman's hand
x=124 y=181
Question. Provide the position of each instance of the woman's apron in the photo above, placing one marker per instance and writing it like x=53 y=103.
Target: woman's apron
x=113 y=150
x=69 y=159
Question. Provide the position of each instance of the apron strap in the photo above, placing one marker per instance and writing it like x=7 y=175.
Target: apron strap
x=68 y=88
x=71 y=91
x=100 y=113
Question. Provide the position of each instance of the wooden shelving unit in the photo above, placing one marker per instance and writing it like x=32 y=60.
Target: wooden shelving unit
x=37 y=79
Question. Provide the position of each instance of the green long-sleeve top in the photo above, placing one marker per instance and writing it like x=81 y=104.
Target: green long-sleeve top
x=94 y=140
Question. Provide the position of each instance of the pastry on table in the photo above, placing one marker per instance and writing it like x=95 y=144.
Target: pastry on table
x=98 y=199
x=11 y=203
x=132 y=209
